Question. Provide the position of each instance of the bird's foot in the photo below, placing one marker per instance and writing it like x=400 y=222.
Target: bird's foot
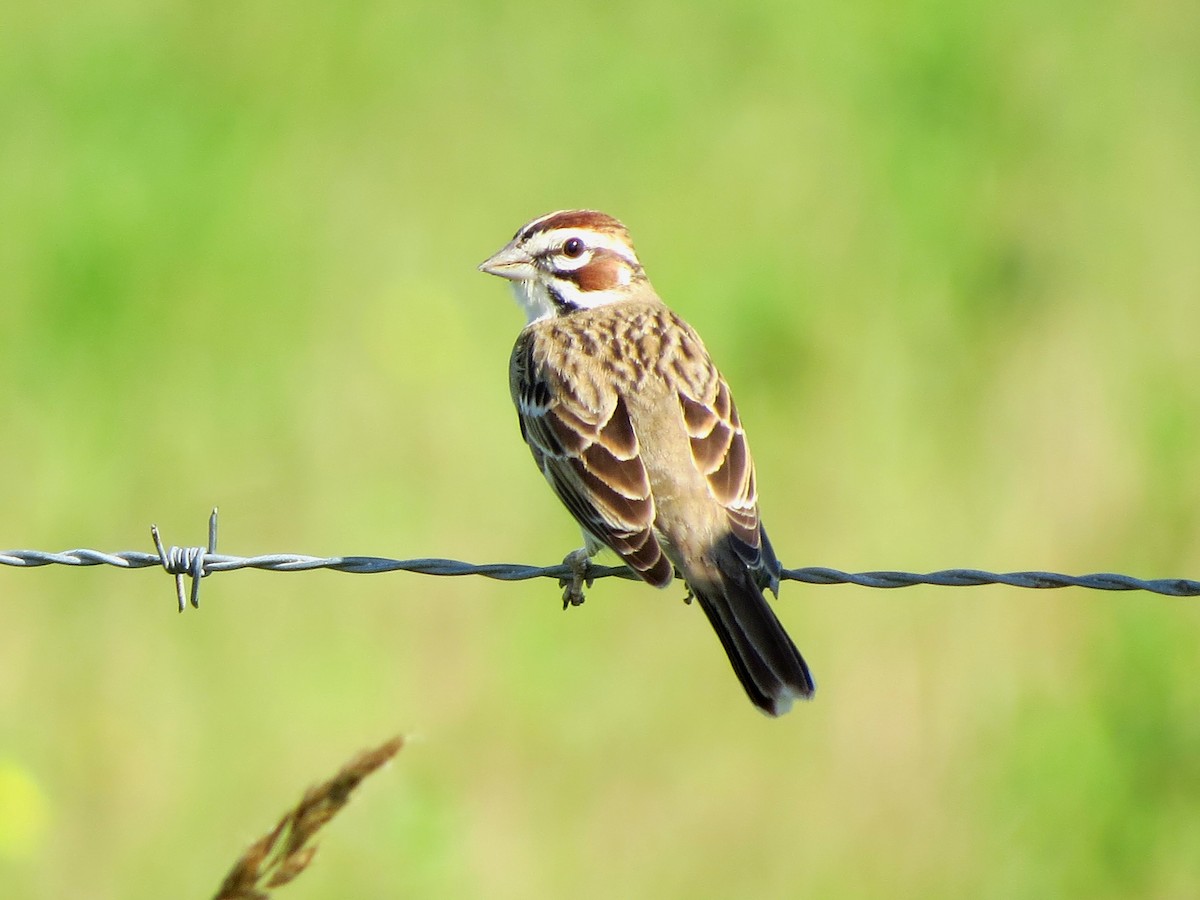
x=690 y=594
x=578 y=561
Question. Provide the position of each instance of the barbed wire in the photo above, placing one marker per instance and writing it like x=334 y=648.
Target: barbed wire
x=199 y=562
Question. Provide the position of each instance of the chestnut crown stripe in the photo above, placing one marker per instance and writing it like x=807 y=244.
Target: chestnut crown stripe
x=586 y=219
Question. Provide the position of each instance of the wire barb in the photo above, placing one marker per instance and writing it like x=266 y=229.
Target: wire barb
x=191 y=561
x=199 y=562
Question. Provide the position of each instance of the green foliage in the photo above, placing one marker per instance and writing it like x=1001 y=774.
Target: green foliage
x=945 y=253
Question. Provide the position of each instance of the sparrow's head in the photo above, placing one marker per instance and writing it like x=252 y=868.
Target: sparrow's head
x=568 y=260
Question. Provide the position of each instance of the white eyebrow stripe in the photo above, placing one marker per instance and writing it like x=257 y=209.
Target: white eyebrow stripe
x=594 y=240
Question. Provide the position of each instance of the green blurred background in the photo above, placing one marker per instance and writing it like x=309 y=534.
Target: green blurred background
x=948 y=254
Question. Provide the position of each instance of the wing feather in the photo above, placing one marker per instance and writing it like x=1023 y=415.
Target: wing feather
x=589 y=454
x=720 y=452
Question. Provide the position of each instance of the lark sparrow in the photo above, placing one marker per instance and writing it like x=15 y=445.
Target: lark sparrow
x=636 y=431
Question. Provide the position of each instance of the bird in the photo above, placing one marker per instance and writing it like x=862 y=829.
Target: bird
x=637 y=433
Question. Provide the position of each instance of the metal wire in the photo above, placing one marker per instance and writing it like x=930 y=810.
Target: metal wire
x=198 y=562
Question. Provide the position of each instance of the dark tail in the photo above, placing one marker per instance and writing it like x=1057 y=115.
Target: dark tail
x=766 y=661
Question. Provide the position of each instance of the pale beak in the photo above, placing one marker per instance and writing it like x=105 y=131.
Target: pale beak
x=512 y=263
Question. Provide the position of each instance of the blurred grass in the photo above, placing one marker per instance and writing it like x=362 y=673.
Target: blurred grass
x=946 y=253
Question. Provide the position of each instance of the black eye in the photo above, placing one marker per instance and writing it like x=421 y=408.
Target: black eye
x=573 y=248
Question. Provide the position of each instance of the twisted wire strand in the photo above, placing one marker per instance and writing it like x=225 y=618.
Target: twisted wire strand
x=198 y=562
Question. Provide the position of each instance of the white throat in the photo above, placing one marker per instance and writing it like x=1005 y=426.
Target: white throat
x=534 y=300
x=534 y=297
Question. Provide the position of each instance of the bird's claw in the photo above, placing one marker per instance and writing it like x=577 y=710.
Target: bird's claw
x=579 y=562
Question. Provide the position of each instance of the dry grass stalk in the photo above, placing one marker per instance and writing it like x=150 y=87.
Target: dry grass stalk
x=284 y=852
